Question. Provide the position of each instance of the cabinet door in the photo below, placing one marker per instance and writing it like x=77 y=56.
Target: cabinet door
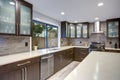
x=7 y=17
x=25 y=24
x=57 y=61
x=64 y=25
x=67 y=56
x=85 y=31
x=70 y=55
x=32 y=72
x=13 y=75
x=72 y=30
x=79 y=31
x=80 y=53
x=113 y=29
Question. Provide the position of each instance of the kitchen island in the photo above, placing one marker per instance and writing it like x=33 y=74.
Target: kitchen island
x=97 y=66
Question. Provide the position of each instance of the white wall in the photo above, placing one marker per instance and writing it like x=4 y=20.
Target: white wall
x=40 y=17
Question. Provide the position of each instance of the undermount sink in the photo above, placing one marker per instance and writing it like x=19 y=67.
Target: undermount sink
x=51 y=49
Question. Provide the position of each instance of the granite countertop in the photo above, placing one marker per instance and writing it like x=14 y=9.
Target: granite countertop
x=97 y=66
x=26 y=55
x=112 y=48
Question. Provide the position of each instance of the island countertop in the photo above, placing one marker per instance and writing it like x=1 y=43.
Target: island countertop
x=97 y=66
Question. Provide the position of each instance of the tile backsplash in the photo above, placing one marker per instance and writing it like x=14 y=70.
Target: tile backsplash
x=92 y=38
x=13 y=44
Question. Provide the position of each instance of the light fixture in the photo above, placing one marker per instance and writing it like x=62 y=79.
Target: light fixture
x=62 y=13
x=96 y=18
x=75 y=21
x=12 y=3
x=100 y=4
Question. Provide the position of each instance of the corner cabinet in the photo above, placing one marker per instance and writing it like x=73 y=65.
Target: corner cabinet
x=74 y=30
x=62 y=59
x=15 y=18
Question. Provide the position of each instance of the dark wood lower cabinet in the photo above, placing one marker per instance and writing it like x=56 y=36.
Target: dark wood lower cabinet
x=80 y=53
x=116 y=51
x=23 y=70
x=29 y=69
x=57 y=61
x=62 y=59
x=13 y=75
x=33 y=71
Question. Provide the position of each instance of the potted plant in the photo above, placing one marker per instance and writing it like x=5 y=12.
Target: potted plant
x=37 y=30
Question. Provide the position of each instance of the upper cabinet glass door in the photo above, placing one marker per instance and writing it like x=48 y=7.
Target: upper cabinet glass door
x=7 y=17
x=25 y=19
x=79 y=30
x=72 y=30
x=113 y=29
x=85 y=31
x=67 y=30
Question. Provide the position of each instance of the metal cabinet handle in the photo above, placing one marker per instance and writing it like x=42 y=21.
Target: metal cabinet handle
x=24 y=63
x=25 y=73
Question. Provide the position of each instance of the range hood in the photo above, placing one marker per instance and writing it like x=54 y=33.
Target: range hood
x=97 y=27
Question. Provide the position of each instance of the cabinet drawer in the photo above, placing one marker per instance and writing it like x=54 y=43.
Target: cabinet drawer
x=18 y=65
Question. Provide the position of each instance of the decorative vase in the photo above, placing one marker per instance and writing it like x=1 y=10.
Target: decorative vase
x=35 y=48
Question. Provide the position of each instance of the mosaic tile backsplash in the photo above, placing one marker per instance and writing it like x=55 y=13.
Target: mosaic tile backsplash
x=14 y=44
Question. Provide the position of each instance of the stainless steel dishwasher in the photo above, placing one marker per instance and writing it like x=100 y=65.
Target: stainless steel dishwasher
x=47 y=66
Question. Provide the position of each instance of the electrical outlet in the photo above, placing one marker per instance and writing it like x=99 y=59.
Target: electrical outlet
x=80 y=42
x=26 y=44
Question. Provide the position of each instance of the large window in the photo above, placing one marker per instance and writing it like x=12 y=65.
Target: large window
x=49 y=36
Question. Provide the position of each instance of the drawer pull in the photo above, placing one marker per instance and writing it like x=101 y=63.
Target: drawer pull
x=24 y=63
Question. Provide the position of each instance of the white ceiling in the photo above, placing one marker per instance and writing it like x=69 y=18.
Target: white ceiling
x=80 y=10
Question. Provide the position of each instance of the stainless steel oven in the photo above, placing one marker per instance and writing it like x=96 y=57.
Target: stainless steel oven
x=97 y=46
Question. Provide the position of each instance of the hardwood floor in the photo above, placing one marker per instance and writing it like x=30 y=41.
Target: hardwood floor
x=60 y=75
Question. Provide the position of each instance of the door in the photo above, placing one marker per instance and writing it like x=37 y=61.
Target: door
x=25 y=23
x=13 y=75
x=7 y=17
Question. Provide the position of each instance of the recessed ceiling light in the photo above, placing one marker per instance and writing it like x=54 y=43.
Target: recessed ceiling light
x=96 y=18
x=12 y=3
x=62 y=13
x=75 y=21
x=100 y=4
